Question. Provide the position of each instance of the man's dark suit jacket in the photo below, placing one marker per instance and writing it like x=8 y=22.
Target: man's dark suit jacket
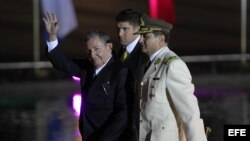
x=103 y=114
x=135 y=62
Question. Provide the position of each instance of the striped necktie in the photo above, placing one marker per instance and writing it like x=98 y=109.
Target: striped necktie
x=124 y=55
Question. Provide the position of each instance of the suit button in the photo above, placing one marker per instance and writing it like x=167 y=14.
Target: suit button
x=140 y=109
x=163 y=127
x=141 y=120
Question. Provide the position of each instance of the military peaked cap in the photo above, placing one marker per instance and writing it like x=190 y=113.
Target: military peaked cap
x=148 y=25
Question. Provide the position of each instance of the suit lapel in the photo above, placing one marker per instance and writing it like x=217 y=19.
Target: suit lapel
x=104 y=75
x=135 y=51
x=106 y=70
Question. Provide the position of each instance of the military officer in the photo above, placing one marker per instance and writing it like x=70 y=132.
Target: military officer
x=169 y=110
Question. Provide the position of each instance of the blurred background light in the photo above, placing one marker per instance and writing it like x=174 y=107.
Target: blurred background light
x=162 y=9
x=76 y=79
x=77 y=104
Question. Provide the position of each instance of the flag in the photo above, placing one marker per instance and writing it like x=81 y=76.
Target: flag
x=64 y=10
x=162 y=9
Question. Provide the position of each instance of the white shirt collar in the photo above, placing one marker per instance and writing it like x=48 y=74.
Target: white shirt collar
x=153 y=56
x=100 y=68
x=130 y=47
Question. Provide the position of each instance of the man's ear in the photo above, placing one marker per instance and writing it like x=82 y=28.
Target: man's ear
x=110 y=46
x=162 y=38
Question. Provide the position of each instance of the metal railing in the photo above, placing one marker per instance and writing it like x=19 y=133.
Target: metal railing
x=187 y=59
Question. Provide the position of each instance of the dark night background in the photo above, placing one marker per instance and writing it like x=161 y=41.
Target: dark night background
x=35 y=105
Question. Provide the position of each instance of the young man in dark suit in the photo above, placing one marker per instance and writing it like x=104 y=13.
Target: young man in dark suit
x=103 y=114
x=131 y=55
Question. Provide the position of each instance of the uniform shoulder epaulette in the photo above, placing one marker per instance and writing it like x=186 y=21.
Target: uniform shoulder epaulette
x=166 y=59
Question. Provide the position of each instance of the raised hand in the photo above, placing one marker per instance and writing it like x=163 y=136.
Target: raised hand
x=51 y=25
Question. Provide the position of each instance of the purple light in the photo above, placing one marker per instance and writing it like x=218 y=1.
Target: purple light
x=77 y=133
x=77 y=104
x=76 y=79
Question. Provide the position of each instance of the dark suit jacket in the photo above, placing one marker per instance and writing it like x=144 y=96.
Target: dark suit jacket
x=103 y=111
x=135 y=62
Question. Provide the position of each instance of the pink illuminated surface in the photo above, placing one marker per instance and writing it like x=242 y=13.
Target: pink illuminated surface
x=162 y=9
x=153 y=8
x=76 y=79
x=77 y=104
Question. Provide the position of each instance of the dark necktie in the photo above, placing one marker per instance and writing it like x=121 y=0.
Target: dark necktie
x=147 y=65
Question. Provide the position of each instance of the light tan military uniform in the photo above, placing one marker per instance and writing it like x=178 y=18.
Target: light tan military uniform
x=167 y=101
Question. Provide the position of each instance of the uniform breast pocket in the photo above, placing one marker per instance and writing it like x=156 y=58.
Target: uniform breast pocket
x=158 y=92
x=159 y=96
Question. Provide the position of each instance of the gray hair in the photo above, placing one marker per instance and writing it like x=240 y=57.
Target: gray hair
x=93 y=33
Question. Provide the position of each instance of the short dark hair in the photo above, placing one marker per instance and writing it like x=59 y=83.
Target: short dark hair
x=128 y=15
x=105 y=38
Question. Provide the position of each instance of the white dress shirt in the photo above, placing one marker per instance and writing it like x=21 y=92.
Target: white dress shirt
x=130 y=47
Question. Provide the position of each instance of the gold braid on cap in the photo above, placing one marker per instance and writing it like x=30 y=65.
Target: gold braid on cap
x=147 y=29
x=150 y=29
x=142 y=23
